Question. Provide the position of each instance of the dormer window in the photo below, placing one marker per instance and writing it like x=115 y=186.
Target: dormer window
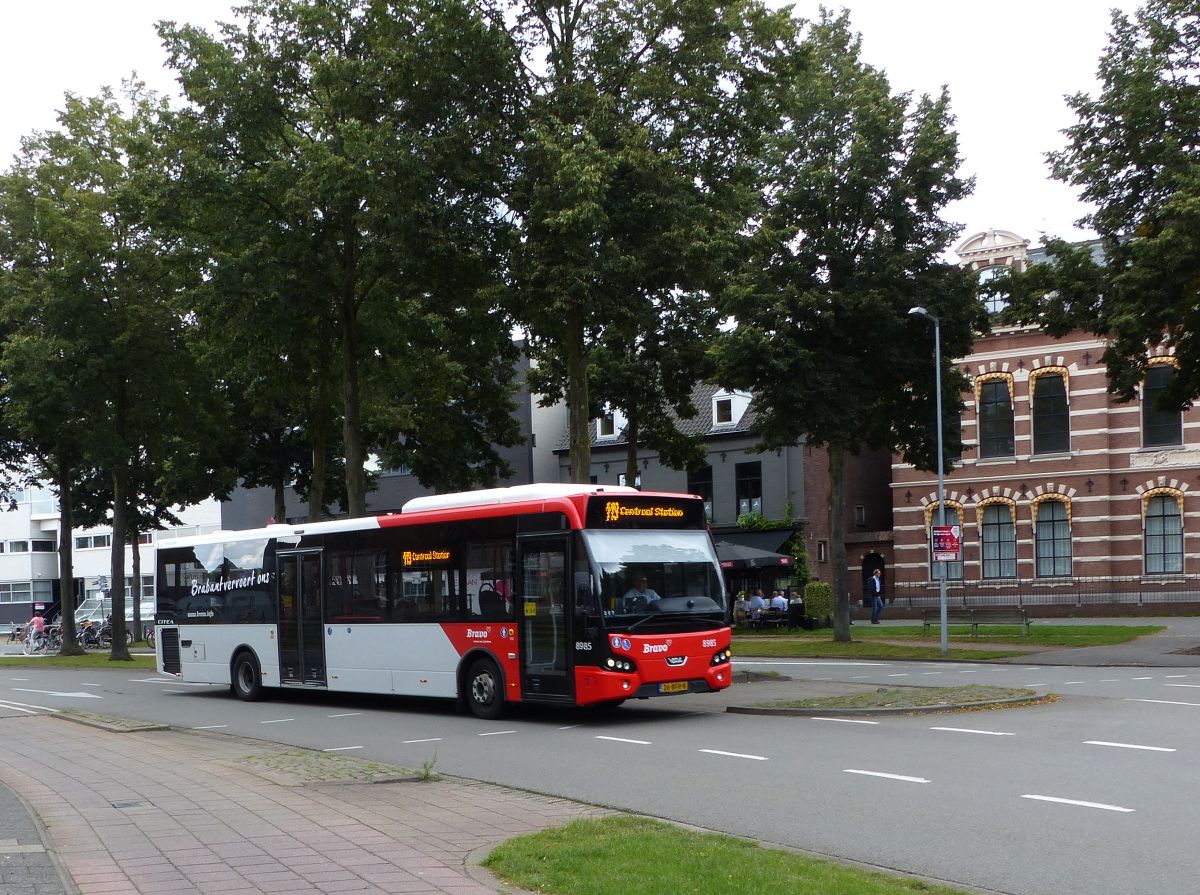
x=728 y=408
x=610 y=424
x=997 y=301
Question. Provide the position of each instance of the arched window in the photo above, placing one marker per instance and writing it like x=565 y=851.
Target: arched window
x=995 y=409
x=1051 y=416
x=999 y=541
x=933 y=516
x=1163 y=535
x=1052 y=537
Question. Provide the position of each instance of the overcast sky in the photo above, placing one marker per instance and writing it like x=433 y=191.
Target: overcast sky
x=1008 y=66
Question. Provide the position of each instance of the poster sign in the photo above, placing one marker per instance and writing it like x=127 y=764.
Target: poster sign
x=947 y=543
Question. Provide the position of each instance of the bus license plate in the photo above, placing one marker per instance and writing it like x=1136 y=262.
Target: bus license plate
x=673 y=687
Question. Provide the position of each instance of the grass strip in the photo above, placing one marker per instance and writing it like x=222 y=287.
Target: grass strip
x=1041 y=634
x=634 y=854
x=856 y=649
x=907 y=698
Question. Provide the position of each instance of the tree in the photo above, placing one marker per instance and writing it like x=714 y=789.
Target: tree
x=847 y=241
x=630 y=185
x=355 y=150
x=99 y=374
x=1134 y=152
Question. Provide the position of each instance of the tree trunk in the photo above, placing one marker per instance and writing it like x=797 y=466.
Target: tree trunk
x=577 y=399
x=120 y=650
x=631 y=449
x=135 y=592
x=352 y=428
x=66 y=566
x=280 y=499
x=320 y=460
x=837 y=542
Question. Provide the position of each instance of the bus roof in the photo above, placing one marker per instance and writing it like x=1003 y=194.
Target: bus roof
x=550 y=491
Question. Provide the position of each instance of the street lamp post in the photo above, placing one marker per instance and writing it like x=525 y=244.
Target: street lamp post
x=937 y=380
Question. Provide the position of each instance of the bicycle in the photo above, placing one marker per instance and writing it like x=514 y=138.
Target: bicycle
x=34 y=642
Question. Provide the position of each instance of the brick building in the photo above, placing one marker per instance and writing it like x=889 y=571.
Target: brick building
x=1064 y=495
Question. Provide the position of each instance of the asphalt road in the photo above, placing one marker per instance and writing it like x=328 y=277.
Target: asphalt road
x=1093 y=793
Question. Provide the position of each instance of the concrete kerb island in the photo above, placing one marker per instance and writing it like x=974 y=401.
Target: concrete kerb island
x=882 y=710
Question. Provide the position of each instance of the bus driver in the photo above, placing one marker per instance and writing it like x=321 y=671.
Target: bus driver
x=639 y=597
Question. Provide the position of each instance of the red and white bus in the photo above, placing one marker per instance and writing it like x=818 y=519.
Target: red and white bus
x=525 y=594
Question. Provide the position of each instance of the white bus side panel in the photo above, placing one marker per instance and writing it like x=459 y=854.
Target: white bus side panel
x=409 y=659
x=208 y=657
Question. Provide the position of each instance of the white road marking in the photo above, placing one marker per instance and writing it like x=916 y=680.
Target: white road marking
x=21 y=679
x=1182 y=685
x=1164 y=702
x=1127 y=746
x=846 y=720
x=430 y=740
x=900 y=777
x=859 y=677
x=1074 y=682
x=174 y=691
x=211 y=727
x=1030 y=686
x=841 y=664
x=16 y=708
x=342 y=749
x=277 y=721
x=569 y=727
x=56 y=693
x=91 y=685
x=1174 y=675
x=991 y=733
x=1109 y=680
x=736 y=754
x=1099 y=805
x=344 y=715
x=899 y=674
x=931 y=672
x=496 y=733
x=623 y=740
x=970 y=671
x=25 y=705
x=1142 y=678
x=168 y=679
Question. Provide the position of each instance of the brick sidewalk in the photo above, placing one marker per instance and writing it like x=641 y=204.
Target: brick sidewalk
x=191 y=814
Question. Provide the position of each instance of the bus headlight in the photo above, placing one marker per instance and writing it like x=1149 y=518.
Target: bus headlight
x=618 y=664
x=722 y=657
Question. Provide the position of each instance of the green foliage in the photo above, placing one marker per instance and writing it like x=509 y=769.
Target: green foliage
x=818 y=601
x=801 y=571
x=1132 y=153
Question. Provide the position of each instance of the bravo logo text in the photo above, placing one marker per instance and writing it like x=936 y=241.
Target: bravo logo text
x=655 y=647
x=479 y=634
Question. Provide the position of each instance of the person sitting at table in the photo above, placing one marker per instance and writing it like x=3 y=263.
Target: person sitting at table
x=757 y=603
x=779 y=601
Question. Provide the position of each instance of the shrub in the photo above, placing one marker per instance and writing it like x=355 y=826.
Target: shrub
x=818 y=601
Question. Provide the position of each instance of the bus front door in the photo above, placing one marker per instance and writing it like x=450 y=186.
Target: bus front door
x=544 y=563
x=301 y=634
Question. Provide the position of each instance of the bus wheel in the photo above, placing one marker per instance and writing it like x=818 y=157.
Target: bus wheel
x=246 y=681
x=485 y=693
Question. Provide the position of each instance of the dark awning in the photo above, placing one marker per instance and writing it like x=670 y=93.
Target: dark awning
x=739 y=556
x=772 y=540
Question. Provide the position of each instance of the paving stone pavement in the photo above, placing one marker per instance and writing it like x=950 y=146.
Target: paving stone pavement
x=187 y=813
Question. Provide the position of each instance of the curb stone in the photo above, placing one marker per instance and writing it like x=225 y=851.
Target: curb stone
x=882 y=710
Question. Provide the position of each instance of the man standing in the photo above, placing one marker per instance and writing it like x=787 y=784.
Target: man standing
x=875 y=592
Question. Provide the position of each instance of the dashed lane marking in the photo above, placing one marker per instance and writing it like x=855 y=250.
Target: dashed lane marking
x=900 y=777
x=846 y=720
x=496 y=733
x=344 y=715
x=991 y=733
x=623 y=740
x=277 y=721
x=1081 y=804
x=427 y=740
x=1165 y=702
x=342 y=749
x=736 y=754
x=1127 y=746
x=211 y=727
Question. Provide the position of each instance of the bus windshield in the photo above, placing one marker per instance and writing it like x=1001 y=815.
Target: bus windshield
x=646 y=572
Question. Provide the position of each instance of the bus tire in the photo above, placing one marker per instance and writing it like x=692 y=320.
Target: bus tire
x=485 y=690
x=246 y=677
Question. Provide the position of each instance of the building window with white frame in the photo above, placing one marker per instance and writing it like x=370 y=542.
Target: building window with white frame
x=1160 y=427
x=1163 y=536
x=1051 y=415
x=1052 y=540
x=999 y=542
x=748 y=482
x=995 y=419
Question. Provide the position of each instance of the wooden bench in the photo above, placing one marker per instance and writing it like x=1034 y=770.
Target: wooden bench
x=975 y=618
